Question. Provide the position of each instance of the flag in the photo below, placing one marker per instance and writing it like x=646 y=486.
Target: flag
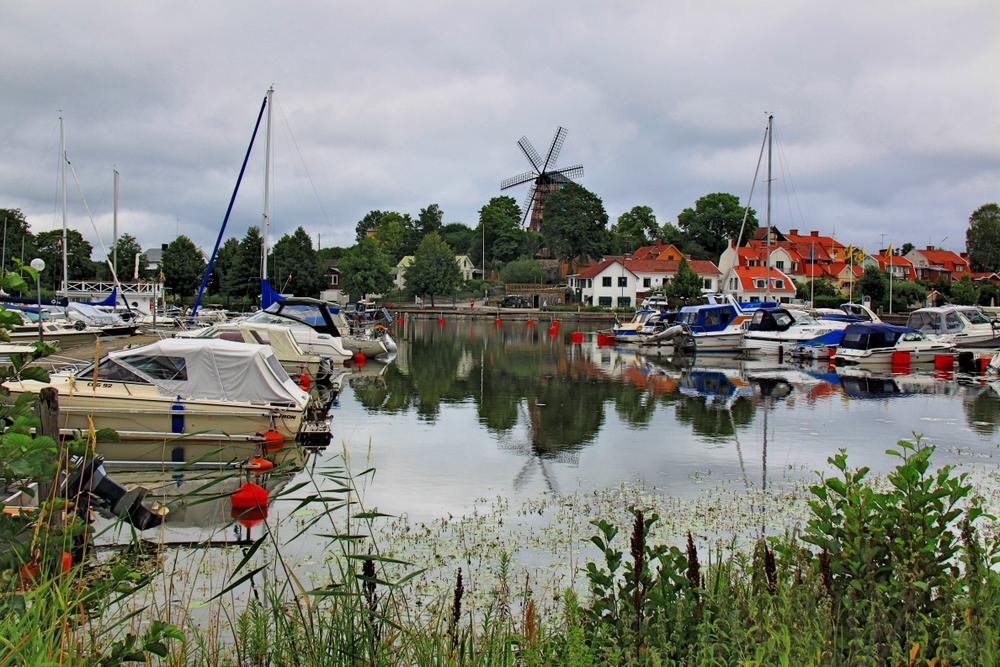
x=888 y=252
x=860 y=256
x=849 y=252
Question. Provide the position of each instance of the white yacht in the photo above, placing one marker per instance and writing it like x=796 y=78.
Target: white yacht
x=952 y=324
x=874 y=344
x=777 y=330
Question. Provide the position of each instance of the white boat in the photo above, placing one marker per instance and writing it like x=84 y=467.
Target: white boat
x=951 y=325
x=197 y=390
x=282 y=341
x=779 y=330
x=629 y=331
x=875 y=344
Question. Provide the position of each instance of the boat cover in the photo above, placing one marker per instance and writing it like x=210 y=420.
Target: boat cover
x=212 y=369
x=279 y=337
x=872 y=336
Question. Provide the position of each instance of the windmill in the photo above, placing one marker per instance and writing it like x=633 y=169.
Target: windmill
x=545 y=177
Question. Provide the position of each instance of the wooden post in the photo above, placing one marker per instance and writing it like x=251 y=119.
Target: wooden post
x=48 y=416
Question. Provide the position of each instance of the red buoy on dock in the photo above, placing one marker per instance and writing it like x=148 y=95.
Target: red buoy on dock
x=497 y=322
x=576 y=337
x=440 y=320
x=944 y=362
x=249 y=518
x=248 y=496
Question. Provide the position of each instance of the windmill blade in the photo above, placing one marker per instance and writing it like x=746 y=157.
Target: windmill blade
x=527 y=203
x=518 y=180
x=529 y=152
x=554 y=148
x=524 y=474
x=550 y=480
x=569 y=173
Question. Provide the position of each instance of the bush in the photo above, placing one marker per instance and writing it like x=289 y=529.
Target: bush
x=524 y=271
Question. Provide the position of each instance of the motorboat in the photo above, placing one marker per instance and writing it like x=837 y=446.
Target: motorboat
x=849 y=313
x=363 y=335
x=110 y=324
x=59 y=332
x=187 y=389
x=715 y=327
x=780 y=330
x=952 y=324
x=282 y=341
x=872 y=344
x=629 y=331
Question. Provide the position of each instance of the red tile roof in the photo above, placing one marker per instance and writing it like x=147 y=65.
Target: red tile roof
x=595 y=269
x=746 y=275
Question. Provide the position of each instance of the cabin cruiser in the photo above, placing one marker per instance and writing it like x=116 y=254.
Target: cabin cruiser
x=110 y=324
x=950 y=324
x=849 y=313
x=324 y=320
x=199 y=390
x=778 y=330
x=282 y=341
x=870 y=344
x=60 y=332
x=715 y=327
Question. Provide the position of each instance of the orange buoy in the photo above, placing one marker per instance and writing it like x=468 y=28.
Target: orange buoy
x=273 y=441
x=258 y=466
x=30 y=572
x=67 y=561
x=249 y=518
x=304 y=382
x=248 y=496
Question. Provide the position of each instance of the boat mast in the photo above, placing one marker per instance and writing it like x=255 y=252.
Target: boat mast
x=267 y=182
x=114 y=242
x=770 y=133
x=62 y=158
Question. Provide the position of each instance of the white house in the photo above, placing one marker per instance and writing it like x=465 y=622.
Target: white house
x=465 y=266
x=749 y=283
x=623 y=282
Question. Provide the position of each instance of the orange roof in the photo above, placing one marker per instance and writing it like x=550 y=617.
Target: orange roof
x=595 y=269
x=746 y=275
x=945 y=258
x=699 y=266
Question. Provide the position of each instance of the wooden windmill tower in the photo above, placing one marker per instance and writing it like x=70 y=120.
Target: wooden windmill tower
x=545 y=177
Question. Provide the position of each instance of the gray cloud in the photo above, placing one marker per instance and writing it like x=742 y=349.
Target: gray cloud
x=886 y=115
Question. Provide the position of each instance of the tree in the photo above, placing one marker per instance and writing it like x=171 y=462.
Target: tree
x=906 y=293
x=296 y=266
x=905 y=249
x=49 y=248
x=331 y=253
x=964 y=292
x=367 y=224
x=715 y=219
x=183 y=267
x=686 y=284
x=574 y=223
x=524 y=271
x=501 y=220
x=460 y=237
x=873 y=283
x=434 y=271
x=223 y=264
x=429 y=220
x=242 y=279
x=128 y=248
x=636 y=228
x=817 y=287
x=982 y=239
x=18 y=241
x=364 y=269
x=989 y=293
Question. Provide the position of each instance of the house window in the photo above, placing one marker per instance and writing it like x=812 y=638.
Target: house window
x=334 y=280
x=708 y=283
x=606 y=282
x=604 y=301
x=670 y=258
x=780 y=264
x=624 y=301
x=779 y=284
x=622 y=281
x=590 y=282
x=647 y=282
x=760 y=284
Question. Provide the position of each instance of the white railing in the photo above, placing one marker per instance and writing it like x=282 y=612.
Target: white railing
x=92 y=286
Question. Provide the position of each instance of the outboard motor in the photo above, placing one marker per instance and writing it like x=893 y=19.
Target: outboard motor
x=91 y=485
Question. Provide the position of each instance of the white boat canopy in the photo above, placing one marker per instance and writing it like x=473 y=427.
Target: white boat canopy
x=212 y=369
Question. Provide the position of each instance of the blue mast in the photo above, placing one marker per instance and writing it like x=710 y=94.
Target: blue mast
x=232 y=200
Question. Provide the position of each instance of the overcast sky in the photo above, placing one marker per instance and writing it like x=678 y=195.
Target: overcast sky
x=886 y=113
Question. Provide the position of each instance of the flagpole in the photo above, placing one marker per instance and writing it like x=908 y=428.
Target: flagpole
x=812 y=283
x=850 y=296
x=891 y=271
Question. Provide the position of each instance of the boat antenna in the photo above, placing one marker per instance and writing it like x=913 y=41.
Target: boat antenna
x=232 y=200
x=63 y=161
x=770 y=133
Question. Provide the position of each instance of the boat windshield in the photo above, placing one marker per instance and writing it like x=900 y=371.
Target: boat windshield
x=926 y=321
x=975 y=316
x=305 y=313
x=111 y=371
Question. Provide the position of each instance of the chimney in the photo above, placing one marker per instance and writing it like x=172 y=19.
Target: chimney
x=793 y=232
x=963 y=255
x=814 y=233
x=930 y=247
x=163 y=246
x=659 y=243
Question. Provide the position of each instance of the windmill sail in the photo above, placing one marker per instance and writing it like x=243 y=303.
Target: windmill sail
x=544 y=177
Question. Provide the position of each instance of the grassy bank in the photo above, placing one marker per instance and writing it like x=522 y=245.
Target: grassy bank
x=852 y=571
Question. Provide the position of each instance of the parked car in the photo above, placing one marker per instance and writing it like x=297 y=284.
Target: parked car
x=513 y=301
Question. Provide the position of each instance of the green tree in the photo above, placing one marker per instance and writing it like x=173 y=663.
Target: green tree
x=906 y=293
x=873 y=283
x=242 y=278
x=434 y=271
x=635 y=228
x=989 y=294
x=296 y=266
x=574 y=223
x=817 y=287
x=462 y=239
x=331 y=253
x=905 y=249
x=396 y=234
x=714 y=220
x=223 y=265
x=127 y=249
x=982 y=239
x=501 y=220
x=364 y=269
x=524 y=270
x=429 y=220
x=686 y=284
x=183 y=267
x=964 y=292
x=367 y=224
x=18 y=241
x=78 y=263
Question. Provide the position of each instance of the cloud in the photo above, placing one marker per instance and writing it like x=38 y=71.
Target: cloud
x=886 y=114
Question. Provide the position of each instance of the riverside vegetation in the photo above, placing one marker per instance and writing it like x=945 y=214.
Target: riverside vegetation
x=890 y=572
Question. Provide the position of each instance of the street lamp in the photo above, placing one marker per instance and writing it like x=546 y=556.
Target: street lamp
x=38 y=265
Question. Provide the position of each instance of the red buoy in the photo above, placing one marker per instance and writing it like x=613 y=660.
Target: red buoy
x=249 y=518
x=552 y=331
x=304 y=382
x=359 y=358
x=530 y=323
x=497 y=322
x=273 y=441
x=248 y=496
x=400 y=320
x=440 y=320
x=258 y=466
x=67 y=561
x=576 y=337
